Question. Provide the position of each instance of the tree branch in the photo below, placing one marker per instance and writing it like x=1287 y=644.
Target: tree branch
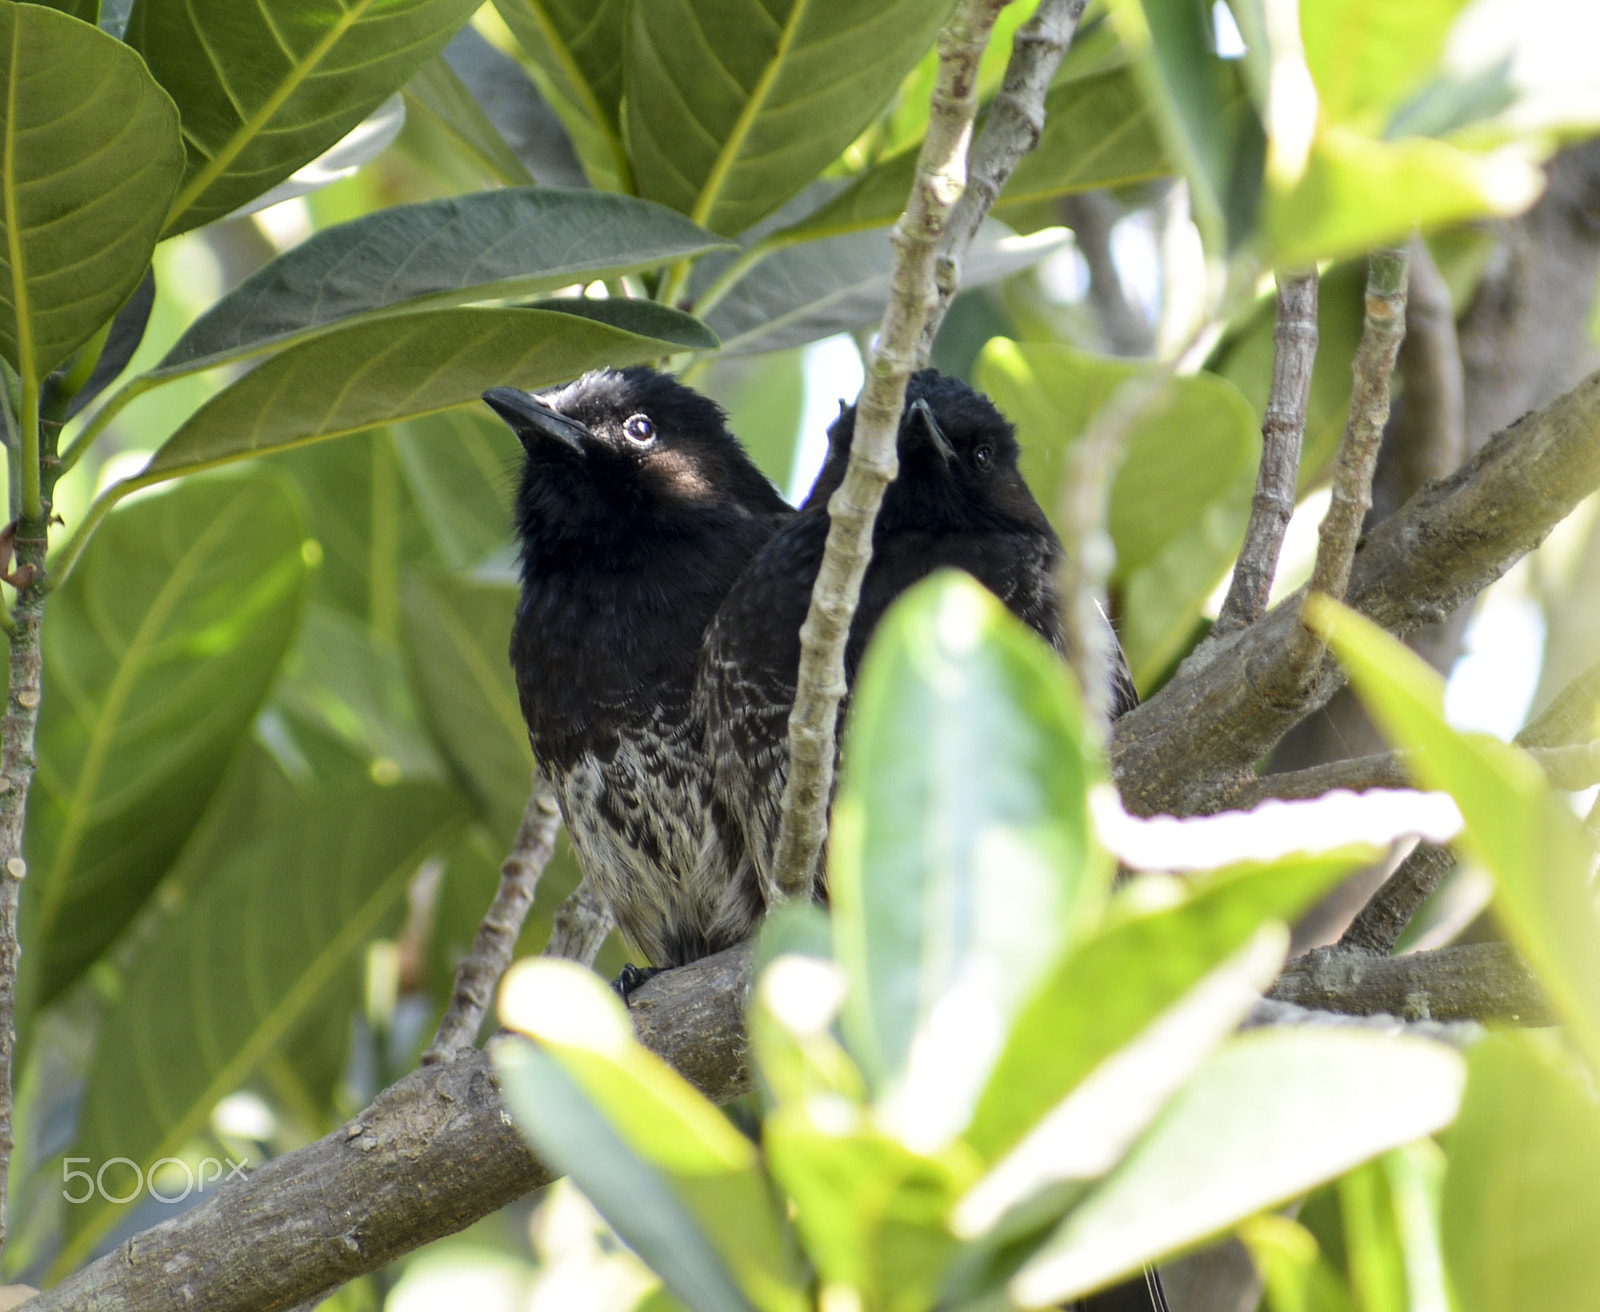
x=1477 y=981
x=1283 y=429
x=491 y=952
x=1188 y=748
x=1378 y=926
x=1012 y=128
x=579 y=926
x=853 y=509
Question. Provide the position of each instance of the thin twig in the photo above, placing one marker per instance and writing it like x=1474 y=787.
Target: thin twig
x=481 y=968
x=853 y=509
x=580 y=926
x=1430 y=363
x=1379 y=924
x=1373 y=367
x=1014 y=124
x=1283 y=428
x=1092 y=215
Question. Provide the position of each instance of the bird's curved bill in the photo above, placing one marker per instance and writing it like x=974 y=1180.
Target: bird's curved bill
x=531 y=419
x=919 y=418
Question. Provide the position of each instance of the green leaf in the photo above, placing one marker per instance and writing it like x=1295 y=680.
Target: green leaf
x=91 y=158
x=1184 y=452
x=159 y=651
x=732 y=108
x=233 y=975
x=1296 y=1276
x=1522 y=1191
x=871 y=1212
x=1357 y=193
x=437 y=91
x=1366 y=61
x=576 y=48
x=962 y=860
x=1527 y=836
x=1099 y=131
x=1235 y=1141
x=1136 y=967
x=459 y=466
x=457 y=634
x=375 y=372
x=664 y=1166
x=485 y=246
x=263 y=91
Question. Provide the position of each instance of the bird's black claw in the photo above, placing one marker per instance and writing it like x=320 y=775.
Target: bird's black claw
x=632 y=976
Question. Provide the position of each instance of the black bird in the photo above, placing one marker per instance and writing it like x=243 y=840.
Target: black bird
x=959 y=501
x=636 y=512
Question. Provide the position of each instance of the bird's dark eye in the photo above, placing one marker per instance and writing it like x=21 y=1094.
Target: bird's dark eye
x=640 y=430
x=983 y=457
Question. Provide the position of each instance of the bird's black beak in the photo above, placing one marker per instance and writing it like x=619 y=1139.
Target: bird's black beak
x=531 y=419
x=919 y=415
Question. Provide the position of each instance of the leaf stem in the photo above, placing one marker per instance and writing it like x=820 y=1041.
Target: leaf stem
x=67 y=558
x=114 y=405
x=32 y=497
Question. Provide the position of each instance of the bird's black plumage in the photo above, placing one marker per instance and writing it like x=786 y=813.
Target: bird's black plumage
x=636 y=511
x=959 y=500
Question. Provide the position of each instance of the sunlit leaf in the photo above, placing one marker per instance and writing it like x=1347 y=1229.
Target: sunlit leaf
x=92 y=156
x=1367 y=60
x=262 y=91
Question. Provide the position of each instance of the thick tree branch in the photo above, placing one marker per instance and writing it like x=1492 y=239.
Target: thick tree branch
x=1283 y=429
x=1012 y=128
x=853 y=509
x=1477 y=981
x=481 y=968
x=1188 y=748
x=434 y=1153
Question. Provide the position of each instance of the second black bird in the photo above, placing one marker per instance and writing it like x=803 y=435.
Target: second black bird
x=958 y=501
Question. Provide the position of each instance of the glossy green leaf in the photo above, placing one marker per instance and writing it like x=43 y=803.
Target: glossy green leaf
x=1357 y=193
x=663 y=1165
x=1523 y=833
x=437 y=91
x=732 y=108
x=233 y=974
x=484 y=246
x=263 y=91
x=576 y=48
x=457 y=634
x=373 y=373
x=1136 y=968
x=798 y=294
x=91 y=159
x=1207 y=121
x=1099 y=131
x=1235 y=1141
x=1522 y=1191
x=962 y=861
x=461 y=468
x=182 y=601
x=871 y=1212
x=1367 y=60
x=1184 y=451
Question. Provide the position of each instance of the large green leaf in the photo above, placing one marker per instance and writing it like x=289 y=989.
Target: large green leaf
x=1098 y=132
x=484 y=246
x=1184 y=451
x=1235 y=1141
x=1366 y=60
x=231 y=976
x=457 y=635
x=90 y=161
x=438 y=92
x=375 y=372
x=732 y=108
x=962 y=861
x=159 y=651
x=1525 y=835
x=461 y=468
x=1522 y=1192
x=265 y=88
x=1136 y=968
x=576 y=48
x=666 y=1168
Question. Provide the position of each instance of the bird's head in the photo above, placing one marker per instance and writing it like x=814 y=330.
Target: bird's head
x=958 y=458
x=627 y=454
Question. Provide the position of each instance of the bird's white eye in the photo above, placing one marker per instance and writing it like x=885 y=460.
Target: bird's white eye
x=983 y=457
x=640 y=430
